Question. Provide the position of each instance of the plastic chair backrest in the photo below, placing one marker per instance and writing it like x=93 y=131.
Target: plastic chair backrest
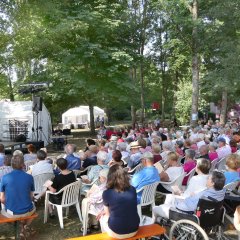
x=136 y=169
x=148 y=194
x=178 y=180
x=231 y=186
x=221 y=165
x=40 y=179
x=213 y=165
x=71 y=193
x=190 y=174
x=29 y=163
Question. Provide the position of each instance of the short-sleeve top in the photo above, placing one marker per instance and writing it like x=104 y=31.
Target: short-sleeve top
x=123 y=218
x=17 y=187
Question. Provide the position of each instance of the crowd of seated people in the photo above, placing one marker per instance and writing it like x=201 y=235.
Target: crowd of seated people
x=119 y=151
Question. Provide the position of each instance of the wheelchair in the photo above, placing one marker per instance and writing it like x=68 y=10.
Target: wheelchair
x=206 y=223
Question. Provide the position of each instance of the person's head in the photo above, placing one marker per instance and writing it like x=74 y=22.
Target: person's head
x=187 y=143
x=233 y=162
x=221 y=142
x=31 y=148
x=116 y=155
x=156 y=148
x=101 y=157
x=102 y=143
x=156 y=140
x=233 y=143
x=118 y=179
x=41 y=155
x=203 y=166
x=216 y=180
x=203 y=150
x=179 y=144
x=172 y=158
x=113 y=138
x=147 y=159
x=62 y=163
x=7 y=161
x=90 y=142
x=103 y=175
x=122 y=146
x=119 y=135
x=134 y=147
x=2 y=150
x=213 y=146
x=93 y=149
x=17 y=162
x=167 y=145
x=142 y=143
x=69 y=149
x=189 y=154
x=112 y=145
x=18 y=153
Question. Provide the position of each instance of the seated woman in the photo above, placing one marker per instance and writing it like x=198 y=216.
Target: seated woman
x=63 y=179
x=31 y=156
x=120 y=217
x=232 y=163
x=189 y=164
x=116 y=159
x=171 y=172
x=215 y=184
x=156 y=149
x=94 y=201
x=212 y=151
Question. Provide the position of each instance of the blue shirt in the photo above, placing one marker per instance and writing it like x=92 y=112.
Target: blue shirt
x=190 y=203
x=17 y=187
x=2 y=156
x=146 y=176
x=74 y=163
x=123 y=217
x=231 y=177
x=89 y=161
x=134 y=159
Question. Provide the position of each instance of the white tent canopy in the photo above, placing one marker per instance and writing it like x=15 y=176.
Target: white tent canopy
x=18 y=118
x=80 y=115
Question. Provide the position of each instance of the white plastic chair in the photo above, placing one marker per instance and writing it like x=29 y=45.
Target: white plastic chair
x=147 y=198
x=190 y=175
x=231 y=186
x=136 y=169
x=29 y=163
x=213 y=165
x=39 y=180
x=70 y=196
x=176 y=182
x=76 y=172
x=221 y=165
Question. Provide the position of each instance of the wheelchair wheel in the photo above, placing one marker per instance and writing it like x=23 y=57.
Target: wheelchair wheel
x=187 y=230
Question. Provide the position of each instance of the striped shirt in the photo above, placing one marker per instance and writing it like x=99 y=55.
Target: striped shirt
x=4 y=170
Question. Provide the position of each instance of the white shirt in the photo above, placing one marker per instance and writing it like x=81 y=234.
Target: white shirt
x=224 y=151
x=173 y=173
x=196 y=184
x=41 y=167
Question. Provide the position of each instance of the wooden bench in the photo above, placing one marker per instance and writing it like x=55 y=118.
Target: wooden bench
x=143 y=232
x=16 y=221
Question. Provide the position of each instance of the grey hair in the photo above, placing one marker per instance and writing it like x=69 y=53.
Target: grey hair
x=214 y=145
x=167 y=145
x=190 y=153
x=122 y=146
x=17 y=153
x=112 y=145
x=102 y=156
x=69 y=149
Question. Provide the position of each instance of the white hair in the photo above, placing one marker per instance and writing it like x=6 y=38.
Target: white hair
x=112 y=145
x=102 y=156
x=122 y=146
x=167 y=145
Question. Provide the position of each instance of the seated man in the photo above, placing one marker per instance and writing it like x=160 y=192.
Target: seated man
x=214 y=189
x=173 y=170
x=91 y=158
x=149 y=174
x=93 y=173
x=2 y=154
x=74 y=162
x=16 y=193
x=6 y=168
x=135 y=155
x=42 y=166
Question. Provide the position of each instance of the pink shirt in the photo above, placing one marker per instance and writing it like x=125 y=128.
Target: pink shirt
x=188 y=166
x=224 y=151
x=212 y=156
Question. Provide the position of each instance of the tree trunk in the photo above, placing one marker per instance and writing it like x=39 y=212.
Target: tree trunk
x=133 y=76
x=223 y=115
x=195 y=66
x=142 y=117
x=175 y=87
x=11 y=95
x=92 y=124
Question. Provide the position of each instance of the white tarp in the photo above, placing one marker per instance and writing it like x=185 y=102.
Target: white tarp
x=18 y=118
x=80 y=115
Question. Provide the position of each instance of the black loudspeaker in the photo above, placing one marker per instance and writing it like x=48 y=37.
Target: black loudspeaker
x=66 y=131
x=20 y=138
x=37 y=104
x=38 y=145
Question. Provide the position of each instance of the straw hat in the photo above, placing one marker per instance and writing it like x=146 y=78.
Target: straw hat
x=134 y=145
